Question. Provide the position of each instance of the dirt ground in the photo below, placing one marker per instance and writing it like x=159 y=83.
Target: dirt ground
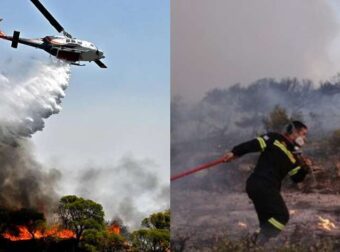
x=200 y=219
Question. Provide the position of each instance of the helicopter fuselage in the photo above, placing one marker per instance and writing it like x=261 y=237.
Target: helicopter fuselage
x=63 y=47
x=71 y=49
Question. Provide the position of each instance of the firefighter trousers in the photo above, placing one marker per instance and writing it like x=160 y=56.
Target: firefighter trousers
x=270 y=207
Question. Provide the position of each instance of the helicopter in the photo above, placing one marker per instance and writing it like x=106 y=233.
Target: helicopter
x=65 y=47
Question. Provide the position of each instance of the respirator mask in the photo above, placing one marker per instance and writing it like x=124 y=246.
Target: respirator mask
x=300 y=141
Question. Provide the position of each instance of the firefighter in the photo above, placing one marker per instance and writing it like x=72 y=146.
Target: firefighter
x=280 y=156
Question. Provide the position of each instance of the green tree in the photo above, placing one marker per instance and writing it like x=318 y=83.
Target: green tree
x=334 y=141
x=277 y=119
x=160 y=220
x=155 y=234
x=113 y=243
x=80 y=215
x=104 y=241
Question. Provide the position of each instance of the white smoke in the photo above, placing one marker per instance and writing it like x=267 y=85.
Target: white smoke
x=29 y=98
x=29 y=93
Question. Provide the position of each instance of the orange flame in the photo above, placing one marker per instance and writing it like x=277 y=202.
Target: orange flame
x=292 y=212
x=242 y=224
x=326 y=224
x=24 y=234
x=114 y=229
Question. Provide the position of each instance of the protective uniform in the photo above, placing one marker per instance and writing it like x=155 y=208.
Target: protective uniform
x=277 y=159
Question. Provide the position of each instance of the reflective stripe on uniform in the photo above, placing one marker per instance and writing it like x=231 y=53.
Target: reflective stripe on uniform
x=262 y=143
x=285 y=150
x=276 y=223
x=294 y=171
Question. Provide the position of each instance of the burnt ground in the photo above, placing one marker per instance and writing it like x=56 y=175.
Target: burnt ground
x=205 y=218
x=211 y=206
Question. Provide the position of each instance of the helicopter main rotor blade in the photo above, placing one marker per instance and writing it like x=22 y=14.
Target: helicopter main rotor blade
x=49 y=17
x=100 y=64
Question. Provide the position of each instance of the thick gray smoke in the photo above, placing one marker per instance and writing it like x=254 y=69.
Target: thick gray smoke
x=216 y=42
x=24 y=183
x=29 y=94
x=226 y=117
x=129 y=189
x=242 y=110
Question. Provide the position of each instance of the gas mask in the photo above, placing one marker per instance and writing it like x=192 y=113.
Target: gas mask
x=300 y=141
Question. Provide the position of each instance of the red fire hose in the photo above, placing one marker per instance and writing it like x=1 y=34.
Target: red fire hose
x=198 y=168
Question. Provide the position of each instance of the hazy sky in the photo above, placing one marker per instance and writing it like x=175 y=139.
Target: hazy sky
x=218 y=43
x=108 y=115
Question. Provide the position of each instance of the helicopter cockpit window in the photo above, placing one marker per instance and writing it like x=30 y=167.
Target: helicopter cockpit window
x=73 y=41
x=68 y=40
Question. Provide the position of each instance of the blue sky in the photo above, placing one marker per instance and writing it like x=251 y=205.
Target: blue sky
x=107 y=114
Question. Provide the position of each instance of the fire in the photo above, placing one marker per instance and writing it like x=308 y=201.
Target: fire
x=326 y=224
x=292 y=212
x=24 y=234
x=242 y=224
x=63 y=234
x=114 y=229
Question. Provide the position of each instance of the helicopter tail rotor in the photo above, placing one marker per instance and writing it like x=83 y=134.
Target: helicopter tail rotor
x=15 y=40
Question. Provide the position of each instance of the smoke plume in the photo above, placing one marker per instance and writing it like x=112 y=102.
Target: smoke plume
x=242 y=109
x=29 y=95
x=128 y=189
x=217 y=42
x=226 y=117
